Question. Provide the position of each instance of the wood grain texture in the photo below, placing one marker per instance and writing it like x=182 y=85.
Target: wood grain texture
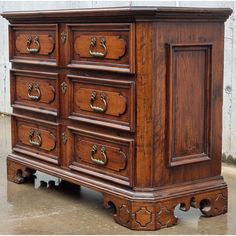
x=119 y=101
x=118 y=47
x=46 y=46
x=122 y=14
x=144 y=86
x=126 y=101
x=44 y=87
x=36 y=138
x=117 y=167
x=189 y=89
x=199 y=102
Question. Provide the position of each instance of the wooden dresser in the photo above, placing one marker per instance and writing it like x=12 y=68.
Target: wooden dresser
x=126 y=101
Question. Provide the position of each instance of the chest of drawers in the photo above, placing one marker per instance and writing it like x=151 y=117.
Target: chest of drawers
x=126 y=101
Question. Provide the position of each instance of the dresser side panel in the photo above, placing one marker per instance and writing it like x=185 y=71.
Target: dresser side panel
x=188 y=101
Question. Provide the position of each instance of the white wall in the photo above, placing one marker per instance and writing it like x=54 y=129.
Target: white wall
x=229 y=107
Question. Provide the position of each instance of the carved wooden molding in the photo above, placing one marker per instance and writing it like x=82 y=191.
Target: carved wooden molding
x=18 y=173
x=156 y=215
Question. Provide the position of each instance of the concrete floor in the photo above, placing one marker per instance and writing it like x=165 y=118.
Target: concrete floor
x=45 y=208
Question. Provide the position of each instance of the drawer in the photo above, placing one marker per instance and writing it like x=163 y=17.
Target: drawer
x=106 y=102
x=105 y=156
x=34 y=44
x=35 y=91
x=101 y=46
x=36 y=138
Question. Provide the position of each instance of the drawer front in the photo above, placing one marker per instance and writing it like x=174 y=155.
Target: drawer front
x=101 y=155
x=36 y=138
x=101 y=46
x=34 y=44
x=35 y=91
x=102 y=101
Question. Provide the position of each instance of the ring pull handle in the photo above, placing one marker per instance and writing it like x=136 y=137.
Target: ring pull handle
x=104 y=103
x=36 y=88
x=98 y=161
x=93 y=45
x=35 y=138
x=30 y=41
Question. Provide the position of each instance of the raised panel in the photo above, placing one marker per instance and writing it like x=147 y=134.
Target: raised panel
x=115 y=45
x=99 y=101
x=107 y=47
x=34 y=44
x=37 y=138
x=102 y=155
x=189 y=103
x=35 y=91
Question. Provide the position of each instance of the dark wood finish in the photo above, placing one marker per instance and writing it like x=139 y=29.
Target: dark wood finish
x=34 y=90
x=34 y=44
x=191 y=115
x=117 y=53
x=119 y=98
x=126 y=101
x=117 y=167
x=37 y=138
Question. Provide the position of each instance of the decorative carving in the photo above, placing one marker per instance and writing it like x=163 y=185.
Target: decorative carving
x=125 y=213
x=143 y=216
x=211 y=205
x=18 y=173
x=160 y=214
x=166 y=218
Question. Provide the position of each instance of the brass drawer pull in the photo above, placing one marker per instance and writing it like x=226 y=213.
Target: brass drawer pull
x=35 y=138
x=30 y=41
x=98 y=161
x=36 y=88
x=93 y=45
x=93 y=99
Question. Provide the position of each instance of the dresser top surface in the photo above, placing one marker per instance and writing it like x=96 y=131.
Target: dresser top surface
x=121 y=14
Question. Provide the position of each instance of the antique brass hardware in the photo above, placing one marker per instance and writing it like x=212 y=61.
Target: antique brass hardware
x=64 y=87
x=93 y=45
x=35 y=138
x=98 y=161
x=63 y=37
x=36 y=88
x=64 y=138
x=35 y=41
x=93 y=99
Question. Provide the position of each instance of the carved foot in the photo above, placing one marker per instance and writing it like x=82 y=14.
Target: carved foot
x=18 y=173
x=211 y=204
x=149 y=215
x=140 y=215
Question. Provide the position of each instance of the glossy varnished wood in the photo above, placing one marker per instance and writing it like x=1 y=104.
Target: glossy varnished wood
x=126 y=101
